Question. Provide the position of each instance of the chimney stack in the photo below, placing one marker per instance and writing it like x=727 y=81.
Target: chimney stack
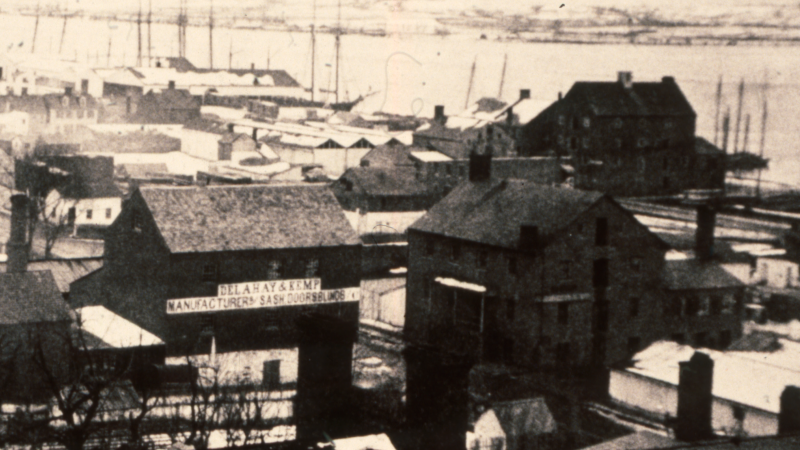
x=524 y=94
x=438 y=114
x=255 y=135
x=171 y=84
x=704 y=236
x=789 y=416
x=510 y=116
x=252 y=66
x=68 y=91
x=17 y=249
x=668 y=80
x=696 y=380
x=559 y=96
x=230 y=128
x=480 y=166
x=625 y=79
x=528 y=238
x=437 y=397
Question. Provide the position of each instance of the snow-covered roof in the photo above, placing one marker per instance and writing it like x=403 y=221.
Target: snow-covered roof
x=371 y=442
x=766 y=374
x=115 y=331
x=452 y=282
x=431 y=156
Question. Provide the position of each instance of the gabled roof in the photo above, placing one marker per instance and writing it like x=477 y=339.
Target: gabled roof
x=525 y=417
x=230 y=138
x=173 y=99
x=388 y=156
x=56 y=101
x=113 y=331
x=64 y=271
x=383 y=181
x=252 y=217
x=31 y=297
x=492 y=212
x=641 y=99
x=682 y=274
x=104 y=189
x=143 y=170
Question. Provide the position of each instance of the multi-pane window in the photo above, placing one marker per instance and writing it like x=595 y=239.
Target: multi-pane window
x=108 y=213
x=274 y=269
x=482 y=258
x=312 y=267
x=601 y=231
x=563 y=313
x=634 y=307
x=88 y=213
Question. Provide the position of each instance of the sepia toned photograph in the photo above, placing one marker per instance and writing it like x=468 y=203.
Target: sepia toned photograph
x=399 y=224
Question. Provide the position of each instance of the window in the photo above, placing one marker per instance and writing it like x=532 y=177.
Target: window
x=210 y=272
x=587 y=122
x=482 y=258
x=511 y=307
x=738 y=413
x=618 y=143
x=108 y=213
x=562 y=354
x=136 y=221
x=88 y=214
x=272 y=374
x=715 y=306
x=692 y=305
x=430 y=247
x=467 y=309
x=312 y=267
x=512 y=266
x=65 y=101
x=90 y=113
x=641 y=142
x=705 y=306
x=82 y=102
x=455 y=251
x=560 y=140
x=564 y=269
x=585 y=143
x=634 y=307
x=724 y=339
x=274 y=271
x=563 y=313
x=634 y=344
x=575 y=123
x=562 y=120
x=728 y=304
x=79 y=114
x=601 y=231
x=600 y=273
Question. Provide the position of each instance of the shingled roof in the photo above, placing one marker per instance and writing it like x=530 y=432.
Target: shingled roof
x=64 y=271
x=641 y=99
x=223 y=218
x=31 y=297
x=683 y=274
x=492 y=212
x=382 y=181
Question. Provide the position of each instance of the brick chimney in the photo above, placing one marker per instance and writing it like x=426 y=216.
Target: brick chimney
x=480 y=166
x=437 y=397
x=704 y=236
x=438 y=114
x=625 y=79
x=16 y=248
x=524 y=94
x=695 y=398
x=668 y=80
x=789 y=416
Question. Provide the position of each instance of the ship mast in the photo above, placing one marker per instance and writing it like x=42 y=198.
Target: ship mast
x=471 y=76
x=502 y=78
x=763 y=137
x=149 y=23
x=36 y=29
x=139 y=31
x=63 y=32
x=211 y=34
x=716 y=116
x=338 y=44
x=313 y=47
x=738 y=118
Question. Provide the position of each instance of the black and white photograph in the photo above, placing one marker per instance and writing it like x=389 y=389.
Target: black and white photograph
x=399 y=224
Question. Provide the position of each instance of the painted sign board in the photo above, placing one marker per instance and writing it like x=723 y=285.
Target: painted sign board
x=264 y=294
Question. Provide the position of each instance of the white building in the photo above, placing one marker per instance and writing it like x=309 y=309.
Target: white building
x=747 y=385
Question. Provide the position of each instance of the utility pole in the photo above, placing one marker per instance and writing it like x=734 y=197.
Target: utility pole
x=211 y=34
x=726 y=122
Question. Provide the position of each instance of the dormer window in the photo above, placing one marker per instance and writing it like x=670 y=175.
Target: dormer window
x=587 y=122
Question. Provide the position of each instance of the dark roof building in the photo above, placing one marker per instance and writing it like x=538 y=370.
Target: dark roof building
x=167 y=106
x=31 y=297
x=626 y=138
x=526 y=274
x=63 y=271
x=173 y=251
